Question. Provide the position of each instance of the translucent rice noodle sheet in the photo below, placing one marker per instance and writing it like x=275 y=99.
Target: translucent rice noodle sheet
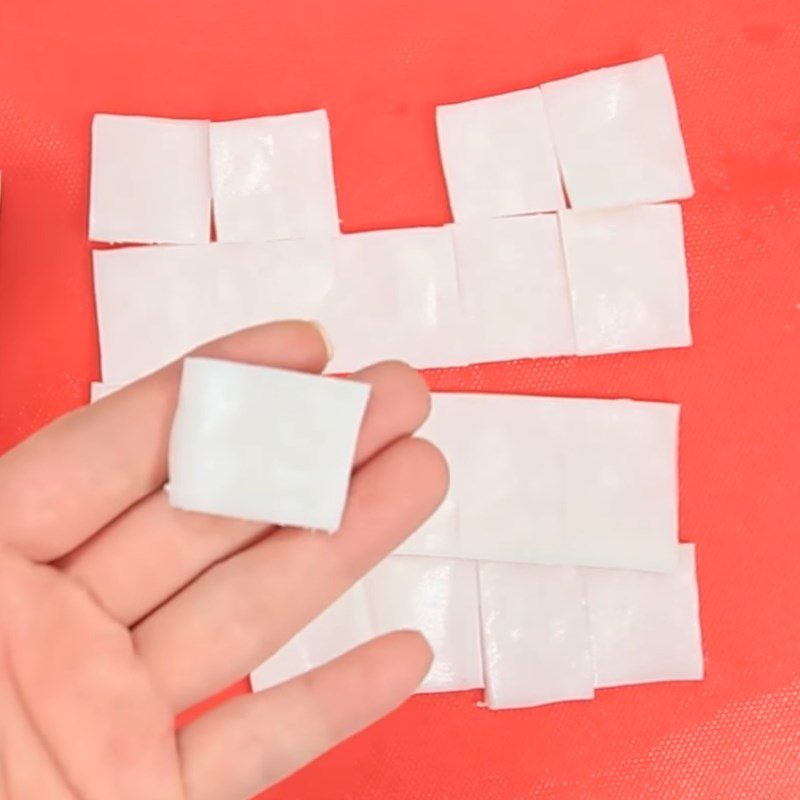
x=618 y=137
x=289 y=662
x=513 y=285
x=536 y=647
x=628 y=278
x=272 y=178
x=645 y=627
x=555 y=481
x=438 y=597
x=264 y=444
x=395 y=295
x=156 y=303
x=150 y=180
x=97 y=391
x=498 y=156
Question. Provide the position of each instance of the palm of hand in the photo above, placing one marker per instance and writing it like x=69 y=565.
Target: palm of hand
x=117 y=611
x=81 y=714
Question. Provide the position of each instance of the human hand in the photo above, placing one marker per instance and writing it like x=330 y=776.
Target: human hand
x=118 y=611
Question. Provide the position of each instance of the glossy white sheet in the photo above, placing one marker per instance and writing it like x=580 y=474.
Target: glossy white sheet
x=617 y=135
x=498 y=156
x=513 y=285
x=272 y=178
x=264 y=444
x=156 y=303
x=97 y=390
x=401 y=293
x=645 y=627
x=289 y=662
x=395 y=295
x=555 y=481
x=536 y=647
x=628 y=279
x=150 y=180
x=438 y=597
x=552 y=633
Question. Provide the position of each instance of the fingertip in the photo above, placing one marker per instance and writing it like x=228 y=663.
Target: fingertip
x=418 y=649
x=399 y=387
x=437 y=468
x=411 y=383
x=401 y=660
x=326 y=339
x=290 y=344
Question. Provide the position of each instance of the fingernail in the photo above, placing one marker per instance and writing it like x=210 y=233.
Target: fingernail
x=323 y=334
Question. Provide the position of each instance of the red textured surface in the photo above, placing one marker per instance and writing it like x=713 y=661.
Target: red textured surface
x=379 y=67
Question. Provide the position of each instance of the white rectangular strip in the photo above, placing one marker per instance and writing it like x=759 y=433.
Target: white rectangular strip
x=555 y=481
x=434 y=297
x=552 y=481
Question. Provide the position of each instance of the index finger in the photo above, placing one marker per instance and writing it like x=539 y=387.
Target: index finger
x=69 y=480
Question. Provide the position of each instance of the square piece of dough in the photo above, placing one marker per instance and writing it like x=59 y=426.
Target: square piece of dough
x=513 y=285
x=150 y=180
x=620 y=460
x=618 y=136
x=627 y=277
x=394 y=296
x=264 y=444
x=272 y=178
x=498 y=156
x=536 y=646
x=645 y=627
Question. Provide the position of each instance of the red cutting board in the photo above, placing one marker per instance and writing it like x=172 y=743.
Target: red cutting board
x=380 y=67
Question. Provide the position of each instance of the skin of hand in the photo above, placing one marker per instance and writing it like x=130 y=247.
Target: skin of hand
x=117 y=611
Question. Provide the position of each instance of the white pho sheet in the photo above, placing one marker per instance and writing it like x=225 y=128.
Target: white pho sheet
x=150 y=180
x=272 y=178
x=264 y=444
